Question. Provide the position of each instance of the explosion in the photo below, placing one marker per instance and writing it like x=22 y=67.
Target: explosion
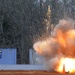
x=69 y=65
x=59 y=48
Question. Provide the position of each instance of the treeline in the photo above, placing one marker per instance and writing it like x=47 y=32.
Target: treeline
x=22 y=22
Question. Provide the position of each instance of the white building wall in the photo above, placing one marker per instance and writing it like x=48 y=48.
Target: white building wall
x=34 y=57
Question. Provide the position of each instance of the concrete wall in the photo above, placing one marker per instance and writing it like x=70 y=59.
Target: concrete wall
x=8 y=56
x=21 y=67
x=34 y=57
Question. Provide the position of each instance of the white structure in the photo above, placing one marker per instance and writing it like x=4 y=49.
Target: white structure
x=8 y=55
x=21 y=67
x=34 y=57
x=34 y=65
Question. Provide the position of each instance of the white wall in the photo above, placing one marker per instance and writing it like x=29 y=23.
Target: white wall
x=21 y=67
x=34 y=57
x=8 y=56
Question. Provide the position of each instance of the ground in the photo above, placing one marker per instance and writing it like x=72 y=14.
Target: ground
x=28 y=72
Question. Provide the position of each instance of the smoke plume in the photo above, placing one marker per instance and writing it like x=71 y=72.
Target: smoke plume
x=60 y=44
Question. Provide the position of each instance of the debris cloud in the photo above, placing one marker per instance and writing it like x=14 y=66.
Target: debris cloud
x=60 y=44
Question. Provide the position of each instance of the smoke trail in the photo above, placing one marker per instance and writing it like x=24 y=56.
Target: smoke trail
x=60 y=44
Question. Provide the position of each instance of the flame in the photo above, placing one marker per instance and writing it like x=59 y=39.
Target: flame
x=69 y=65
x=61 y=43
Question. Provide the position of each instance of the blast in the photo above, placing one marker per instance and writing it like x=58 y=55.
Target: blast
x=60 y=44
x=69 y=65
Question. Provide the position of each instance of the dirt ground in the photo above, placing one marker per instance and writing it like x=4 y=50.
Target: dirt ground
x=24 y=72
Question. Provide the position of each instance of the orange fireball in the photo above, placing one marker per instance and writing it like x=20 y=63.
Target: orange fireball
x=69 y=65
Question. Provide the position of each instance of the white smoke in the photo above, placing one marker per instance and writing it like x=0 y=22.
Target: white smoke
x=60 y=44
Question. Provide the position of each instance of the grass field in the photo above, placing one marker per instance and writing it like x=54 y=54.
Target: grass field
x=24 y=72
